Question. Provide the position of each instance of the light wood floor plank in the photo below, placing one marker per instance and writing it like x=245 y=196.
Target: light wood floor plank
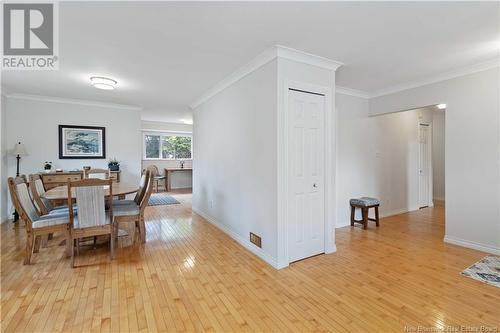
x=191 y=277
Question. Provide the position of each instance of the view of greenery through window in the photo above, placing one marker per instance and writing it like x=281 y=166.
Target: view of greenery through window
x=171 y=146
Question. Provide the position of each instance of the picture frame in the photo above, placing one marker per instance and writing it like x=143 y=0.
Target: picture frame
x=82 y=142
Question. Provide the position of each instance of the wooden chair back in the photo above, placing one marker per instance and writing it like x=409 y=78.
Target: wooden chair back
x=153 y=169
x=97 y=174
x=18 y=188
x=90 y=202
x=142 y=187
x=37 y=191
x=147 y=194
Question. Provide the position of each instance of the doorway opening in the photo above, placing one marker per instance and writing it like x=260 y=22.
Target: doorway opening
x=431 y=161
x=409 y=163
x=425 y=191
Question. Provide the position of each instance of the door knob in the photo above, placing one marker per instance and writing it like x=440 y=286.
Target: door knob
x=315 y=185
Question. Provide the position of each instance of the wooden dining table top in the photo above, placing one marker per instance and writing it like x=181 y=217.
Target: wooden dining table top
x=61 y=192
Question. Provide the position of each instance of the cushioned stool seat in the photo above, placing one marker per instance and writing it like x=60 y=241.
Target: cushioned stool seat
x=364 y=203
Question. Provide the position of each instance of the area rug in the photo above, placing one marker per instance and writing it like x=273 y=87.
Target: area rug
x=486 y=270
x=159 y=199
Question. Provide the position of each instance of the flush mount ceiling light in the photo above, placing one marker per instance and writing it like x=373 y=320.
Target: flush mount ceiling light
x=441 y=106
x=100 y=82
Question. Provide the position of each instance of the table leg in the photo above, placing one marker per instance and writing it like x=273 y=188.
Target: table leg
x=167 y=182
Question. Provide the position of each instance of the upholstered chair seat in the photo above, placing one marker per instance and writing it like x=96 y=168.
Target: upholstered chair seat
x=51 y=220
x=126 y=210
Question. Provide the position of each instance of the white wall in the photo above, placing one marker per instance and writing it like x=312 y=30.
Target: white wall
x=377 y=157
x=438 y=154
x=356 y=171
x=35 y=123
x=236 y=148
x=472 y=152
x=3 y=162
x=235 y=163
x=179 y=179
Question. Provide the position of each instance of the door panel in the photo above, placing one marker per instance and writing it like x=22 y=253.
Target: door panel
x=306 y=165
x=424 y=166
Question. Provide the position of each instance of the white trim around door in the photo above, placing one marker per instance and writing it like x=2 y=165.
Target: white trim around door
x=283 y=259
x=425 y=179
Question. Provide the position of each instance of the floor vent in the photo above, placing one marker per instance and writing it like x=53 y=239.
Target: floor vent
x=255 y=240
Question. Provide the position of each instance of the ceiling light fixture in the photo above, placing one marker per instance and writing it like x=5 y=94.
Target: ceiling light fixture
x=105 y=83
x=441 y=106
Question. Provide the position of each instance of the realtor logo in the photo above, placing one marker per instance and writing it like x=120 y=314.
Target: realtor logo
x=30 y=36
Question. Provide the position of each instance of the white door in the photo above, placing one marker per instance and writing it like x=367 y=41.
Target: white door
x=424 y=166
x=306 y=224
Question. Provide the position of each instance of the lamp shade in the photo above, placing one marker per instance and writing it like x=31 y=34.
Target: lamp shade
x=20 y=149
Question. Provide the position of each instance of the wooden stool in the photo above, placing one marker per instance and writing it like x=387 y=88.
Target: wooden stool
x=364 y=203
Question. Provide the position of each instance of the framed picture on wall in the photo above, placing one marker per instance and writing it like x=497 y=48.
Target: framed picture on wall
x=80 y=142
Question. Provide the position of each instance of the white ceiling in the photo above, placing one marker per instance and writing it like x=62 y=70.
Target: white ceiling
x=166 y=54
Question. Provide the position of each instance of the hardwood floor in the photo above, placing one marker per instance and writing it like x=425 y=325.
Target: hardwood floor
x=189 y=276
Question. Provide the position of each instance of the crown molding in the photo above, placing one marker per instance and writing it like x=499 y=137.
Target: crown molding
x=277 y=51
x=53 y=99
x=351 y=92
x=306 y=58
x=438 y=78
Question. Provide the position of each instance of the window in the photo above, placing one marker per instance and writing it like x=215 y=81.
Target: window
x=167 y=146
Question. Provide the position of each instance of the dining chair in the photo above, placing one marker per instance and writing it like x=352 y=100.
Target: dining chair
x=157 y=177
x=44 y=205
x=36 y=225
x=97 y=174
x=91 y=219
x=134 y=211
x=140 y=192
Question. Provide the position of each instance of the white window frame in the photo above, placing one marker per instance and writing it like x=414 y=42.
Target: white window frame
x=161 y=135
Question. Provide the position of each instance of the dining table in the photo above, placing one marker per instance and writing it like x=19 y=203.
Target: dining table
x=119 y=189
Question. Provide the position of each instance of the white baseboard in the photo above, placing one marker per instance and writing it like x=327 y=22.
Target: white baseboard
x=472 y=245
x=395 y=212
x=242 y=241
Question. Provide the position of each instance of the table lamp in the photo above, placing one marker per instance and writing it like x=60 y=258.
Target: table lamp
x=19 y=150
